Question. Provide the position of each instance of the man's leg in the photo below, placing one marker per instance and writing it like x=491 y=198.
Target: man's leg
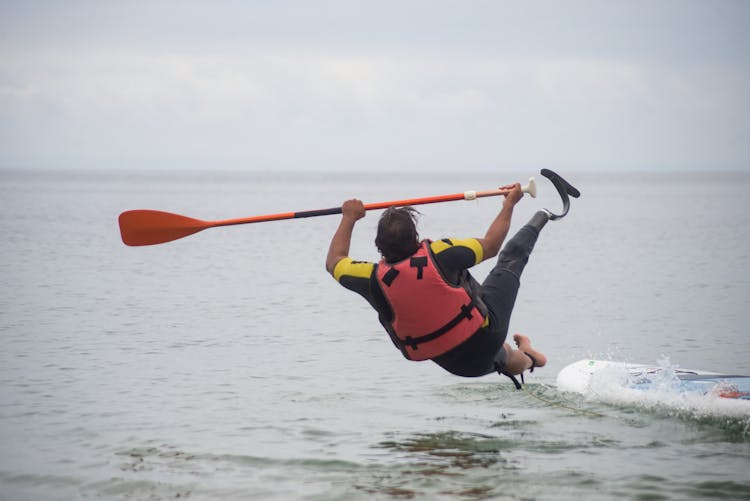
x=500 y=288
x=515 y=253
x=499 y=292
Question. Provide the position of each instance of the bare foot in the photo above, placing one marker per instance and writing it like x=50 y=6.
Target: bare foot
x=524 y=344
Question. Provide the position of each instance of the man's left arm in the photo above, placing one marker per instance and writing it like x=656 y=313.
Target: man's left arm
x=498 y=230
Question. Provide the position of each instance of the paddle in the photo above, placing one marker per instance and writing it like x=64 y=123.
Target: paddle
x=149 y=227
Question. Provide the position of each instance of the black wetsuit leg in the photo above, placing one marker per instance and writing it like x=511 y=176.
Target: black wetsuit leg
x=500 y=288
x=478 y=355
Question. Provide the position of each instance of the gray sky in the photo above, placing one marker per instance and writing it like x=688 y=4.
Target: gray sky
x=391 y=85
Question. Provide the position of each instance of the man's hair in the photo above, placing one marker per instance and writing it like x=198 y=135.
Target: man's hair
x=397 y=236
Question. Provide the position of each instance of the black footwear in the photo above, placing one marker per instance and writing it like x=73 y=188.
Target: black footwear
x=564 y=188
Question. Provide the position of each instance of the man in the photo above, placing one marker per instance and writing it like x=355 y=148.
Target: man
x=428 y=302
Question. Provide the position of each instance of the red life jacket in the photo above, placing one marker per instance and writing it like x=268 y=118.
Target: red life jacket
x=430 y=316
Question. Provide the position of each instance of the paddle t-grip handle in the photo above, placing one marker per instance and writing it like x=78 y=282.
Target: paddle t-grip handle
x=529 y=188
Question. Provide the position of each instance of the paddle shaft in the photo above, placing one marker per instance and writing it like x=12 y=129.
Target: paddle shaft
x=469 y=195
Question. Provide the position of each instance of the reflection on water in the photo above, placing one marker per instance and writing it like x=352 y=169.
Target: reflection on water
x=452 y=449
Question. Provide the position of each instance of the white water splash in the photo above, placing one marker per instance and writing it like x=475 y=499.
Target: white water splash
x=659 y=388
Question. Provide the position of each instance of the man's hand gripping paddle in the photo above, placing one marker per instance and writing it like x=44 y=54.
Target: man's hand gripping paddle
x=150 y=227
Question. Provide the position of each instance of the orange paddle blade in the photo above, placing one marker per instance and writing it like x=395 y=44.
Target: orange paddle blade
x=149 y=227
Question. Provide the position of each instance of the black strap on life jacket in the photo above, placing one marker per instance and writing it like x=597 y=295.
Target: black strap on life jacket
x=390 y=276
x=415 y=262
x=465 y=313
x=419 y=263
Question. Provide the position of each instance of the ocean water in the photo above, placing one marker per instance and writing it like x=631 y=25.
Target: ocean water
x=229 y=365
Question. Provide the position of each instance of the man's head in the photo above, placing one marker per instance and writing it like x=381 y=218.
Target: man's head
x=397 y=236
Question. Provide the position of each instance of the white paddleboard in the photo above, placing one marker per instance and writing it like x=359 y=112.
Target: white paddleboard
x=629 y=382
